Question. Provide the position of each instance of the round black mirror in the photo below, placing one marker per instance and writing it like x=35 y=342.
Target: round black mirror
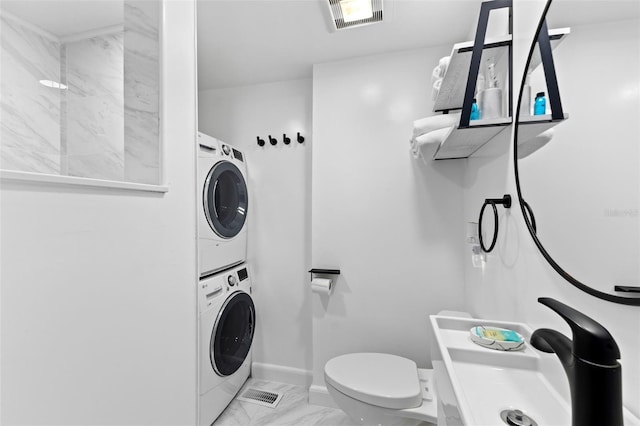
x=577 y=159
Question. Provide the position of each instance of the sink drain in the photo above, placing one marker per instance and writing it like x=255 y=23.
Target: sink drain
x=517 y=418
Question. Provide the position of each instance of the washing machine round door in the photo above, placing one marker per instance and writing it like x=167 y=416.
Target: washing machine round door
x=225 y=199
x=232 y=333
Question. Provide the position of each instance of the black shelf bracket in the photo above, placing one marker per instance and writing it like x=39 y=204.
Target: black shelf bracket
x=323 y=272
x=476 y=56
x=544 y=44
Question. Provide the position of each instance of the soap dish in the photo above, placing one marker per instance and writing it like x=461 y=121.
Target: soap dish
x=499 y=339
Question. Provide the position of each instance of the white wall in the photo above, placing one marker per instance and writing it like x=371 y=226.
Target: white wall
x=392 y=224
x=279 y=215
x=516 y=274
x=98 y=285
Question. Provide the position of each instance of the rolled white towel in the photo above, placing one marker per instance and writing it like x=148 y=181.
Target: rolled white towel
x=435 y=75
x=436 y=89
x=444 y=64
x=441 y=69
x=528 y=147
x=432 y=139
x=428 y=124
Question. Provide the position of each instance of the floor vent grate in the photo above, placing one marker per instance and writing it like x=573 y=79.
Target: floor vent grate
x=261 y=397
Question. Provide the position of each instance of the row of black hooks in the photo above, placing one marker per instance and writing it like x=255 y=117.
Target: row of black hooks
x=285 y=140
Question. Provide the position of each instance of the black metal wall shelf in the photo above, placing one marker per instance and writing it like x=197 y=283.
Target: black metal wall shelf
x=458 y=87
x=452 y=89
x=451 y=94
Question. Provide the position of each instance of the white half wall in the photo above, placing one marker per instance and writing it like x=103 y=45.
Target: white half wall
x=279 y=215
x=98 y=288
x=392 y=224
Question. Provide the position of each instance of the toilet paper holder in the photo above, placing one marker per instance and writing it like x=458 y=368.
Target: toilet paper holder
x=323 y=271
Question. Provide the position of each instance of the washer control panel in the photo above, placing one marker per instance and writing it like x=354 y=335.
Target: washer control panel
x=209 y=292
x=213 y=290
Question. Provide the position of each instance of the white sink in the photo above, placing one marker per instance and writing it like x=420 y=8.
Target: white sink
x=475 y=384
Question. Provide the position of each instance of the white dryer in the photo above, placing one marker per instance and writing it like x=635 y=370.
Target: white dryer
x=227 y=324
x=223 y=201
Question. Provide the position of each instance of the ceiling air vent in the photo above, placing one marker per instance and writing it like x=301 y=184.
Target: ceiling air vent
x=355 y=13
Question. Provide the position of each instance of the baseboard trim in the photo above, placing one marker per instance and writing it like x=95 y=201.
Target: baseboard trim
x=282 y=374
x=319 y=395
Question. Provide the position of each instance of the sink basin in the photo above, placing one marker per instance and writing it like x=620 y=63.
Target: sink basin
x=476 y=384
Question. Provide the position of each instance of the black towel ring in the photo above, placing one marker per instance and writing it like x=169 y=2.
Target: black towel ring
x=506 y=202
x=495 y=227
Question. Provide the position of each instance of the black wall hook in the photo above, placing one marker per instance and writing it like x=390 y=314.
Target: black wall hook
x=300 y=138
x=261 y=141
x=272 y=141
x=285 y=139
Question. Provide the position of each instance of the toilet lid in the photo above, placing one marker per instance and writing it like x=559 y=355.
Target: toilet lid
x=383 y=380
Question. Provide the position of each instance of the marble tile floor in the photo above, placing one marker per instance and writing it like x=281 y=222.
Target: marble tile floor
x=293 y=409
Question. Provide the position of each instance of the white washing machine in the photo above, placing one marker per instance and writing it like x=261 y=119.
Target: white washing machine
x=227 y=324
x=223 y=201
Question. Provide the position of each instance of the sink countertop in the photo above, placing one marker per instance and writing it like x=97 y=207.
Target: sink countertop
x=476 y=383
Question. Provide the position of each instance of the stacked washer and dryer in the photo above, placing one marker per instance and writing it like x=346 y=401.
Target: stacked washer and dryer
x=225 y=307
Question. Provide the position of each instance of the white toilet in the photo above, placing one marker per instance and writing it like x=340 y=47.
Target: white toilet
x=383 y=389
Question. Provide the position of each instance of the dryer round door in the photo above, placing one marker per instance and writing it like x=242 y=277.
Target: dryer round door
x=225 y=199
x=232 y=334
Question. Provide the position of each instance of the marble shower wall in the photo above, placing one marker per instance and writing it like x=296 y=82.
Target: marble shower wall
x=141 y=91
x=30 y=125
x=105 y=125
x=93 y=127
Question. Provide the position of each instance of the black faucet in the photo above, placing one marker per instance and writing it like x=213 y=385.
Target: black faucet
x=591 y=364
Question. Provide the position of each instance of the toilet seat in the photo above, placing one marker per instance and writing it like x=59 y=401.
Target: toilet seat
x=383 y=380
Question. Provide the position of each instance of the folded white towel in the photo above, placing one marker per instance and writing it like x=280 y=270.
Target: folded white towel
x=528 y=147
x=428 y=124
x=432 y=139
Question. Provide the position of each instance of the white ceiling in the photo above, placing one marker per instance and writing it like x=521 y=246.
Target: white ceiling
x=63 y=18
x=242 y=42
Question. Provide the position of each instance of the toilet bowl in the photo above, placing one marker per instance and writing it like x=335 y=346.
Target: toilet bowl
x=381 y=389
